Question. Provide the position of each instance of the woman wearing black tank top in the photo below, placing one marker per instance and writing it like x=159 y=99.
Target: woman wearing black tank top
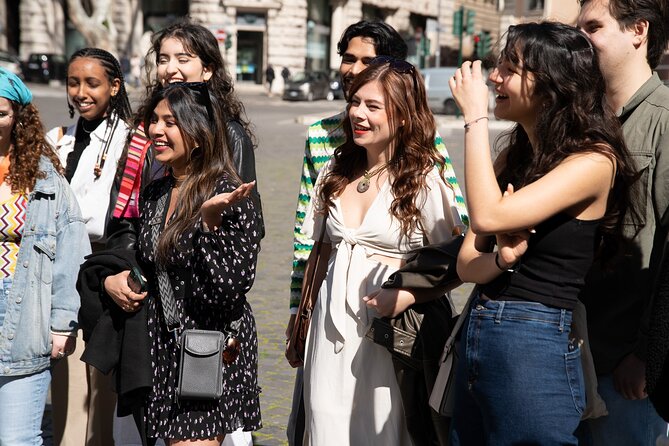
x=551 y=202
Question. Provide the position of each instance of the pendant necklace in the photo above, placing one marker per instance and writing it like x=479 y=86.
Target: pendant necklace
x=363 y=185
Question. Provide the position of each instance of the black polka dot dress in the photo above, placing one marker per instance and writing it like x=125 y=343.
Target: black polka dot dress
x=217 y=269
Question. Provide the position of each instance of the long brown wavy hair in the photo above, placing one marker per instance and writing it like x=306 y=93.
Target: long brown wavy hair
x=207 y=162
x=414 y=154
x=575 y=118
x=29 y=144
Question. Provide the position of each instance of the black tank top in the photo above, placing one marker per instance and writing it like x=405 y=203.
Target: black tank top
x=552 y=270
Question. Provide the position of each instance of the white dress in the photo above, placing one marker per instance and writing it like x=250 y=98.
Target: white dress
x=350 y=391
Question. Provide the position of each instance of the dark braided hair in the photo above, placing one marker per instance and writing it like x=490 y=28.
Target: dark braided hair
x=118 y=103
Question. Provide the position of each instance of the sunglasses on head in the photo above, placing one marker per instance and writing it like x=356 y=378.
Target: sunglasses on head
x=397 y=65
x=201 y=94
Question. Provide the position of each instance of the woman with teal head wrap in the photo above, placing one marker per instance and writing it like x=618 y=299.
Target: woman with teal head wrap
x=45 y=281
x=13 y=88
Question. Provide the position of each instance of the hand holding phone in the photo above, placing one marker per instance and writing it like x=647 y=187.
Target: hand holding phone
x=136 y=281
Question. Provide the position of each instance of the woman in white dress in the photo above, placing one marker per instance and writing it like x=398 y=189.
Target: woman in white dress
x=384 y=196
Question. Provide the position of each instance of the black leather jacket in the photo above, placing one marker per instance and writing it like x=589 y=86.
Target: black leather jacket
x=122 y=232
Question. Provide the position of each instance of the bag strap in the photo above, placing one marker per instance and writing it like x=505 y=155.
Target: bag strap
x=321 y=237
x=169 y=303
x=458 y=325
x=164 y=285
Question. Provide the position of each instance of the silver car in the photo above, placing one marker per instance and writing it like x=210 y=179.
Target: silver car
x=308 y=85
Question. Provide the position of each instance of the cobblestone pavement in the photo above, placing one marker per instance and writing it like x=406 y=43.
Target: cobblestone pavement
x=280 y=129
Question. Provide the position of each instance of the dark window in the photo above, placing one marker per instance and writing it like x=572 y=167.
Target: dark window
x=536 y=4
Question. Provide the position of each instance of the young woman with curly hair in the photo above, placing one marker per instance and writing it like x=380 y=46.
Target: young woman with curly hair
x=380 y=197
x=554 y=200
x=43 y=241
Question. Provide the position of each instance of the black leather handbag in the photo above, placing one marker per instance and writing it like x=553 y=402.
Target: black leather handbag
x=419 y=333
x=200 y=374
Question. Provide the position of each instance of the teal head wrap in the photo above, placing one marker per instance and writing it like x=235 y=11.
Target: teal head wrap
x=13 y=88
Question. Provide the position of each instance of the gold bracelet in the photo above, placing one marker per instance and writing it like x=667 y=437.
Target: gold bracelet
x=470 y=123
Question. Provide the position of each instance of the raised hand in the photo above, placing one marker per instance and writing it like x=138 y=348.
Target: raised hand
x=470 y=91
x=212 y=209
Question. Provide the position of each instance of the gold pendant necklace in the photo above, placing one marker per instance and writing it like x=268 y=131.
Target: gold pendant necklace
x=363 y=185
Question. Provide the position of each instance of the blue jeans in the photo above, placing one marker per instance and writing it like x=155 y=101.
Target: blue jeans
x=22 y=400
x=520 y=380
x=629 y=423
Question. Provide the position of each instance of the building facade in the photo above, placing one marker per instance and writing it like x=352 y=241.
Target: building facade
x=298 y=34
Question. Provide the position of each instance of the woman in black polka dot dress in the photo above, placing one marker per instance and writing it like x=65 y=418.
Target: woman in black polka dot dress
x=208 y=247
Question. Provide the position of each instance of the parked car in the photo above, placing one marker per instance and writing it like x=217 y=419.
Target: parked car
x=439 y=96
x=43 y=67
x=336 y=86
x=11 y=63
x=307 y=85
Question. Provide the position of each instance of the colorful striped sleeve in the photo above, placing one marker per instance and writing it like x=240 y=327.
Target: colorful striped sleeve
x=449 y=175
x=323 y=138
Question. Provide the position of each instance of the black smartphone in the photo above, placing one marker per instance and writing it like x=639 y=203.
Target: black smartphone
x=136 y=281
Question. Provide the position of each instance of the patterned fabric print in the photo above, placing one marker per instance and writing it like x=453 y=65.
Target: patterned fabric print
x=12 y=219
x=323 y=137
x=222 y=267
x=126 y=203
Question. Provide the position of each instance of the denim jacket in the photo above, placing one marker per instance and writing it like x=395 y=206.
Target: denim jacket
x=43 y=296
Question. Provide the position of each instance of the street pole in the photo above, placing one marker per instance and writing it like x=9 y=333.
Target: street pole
x=438 y=52
x=462 y=29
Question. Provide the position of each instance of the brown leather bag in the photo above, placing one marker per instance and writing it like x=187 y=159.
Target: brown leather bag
x=314 y=274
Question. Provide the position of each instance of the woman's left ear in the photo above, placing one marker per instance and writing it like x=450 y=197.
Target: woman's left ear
x=402 y=123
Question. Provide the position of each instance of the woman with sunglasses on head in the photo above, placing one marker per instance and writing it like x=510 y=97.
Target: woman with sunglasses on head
x=196 y=226
x=90 y=150
x=380 y=197
x=43 y=241
x=182 y=52
x=554 y=202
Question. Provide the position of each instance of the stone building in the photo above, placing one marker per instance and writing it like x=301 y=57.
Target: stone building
x=298 y=34
x=519 y=11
